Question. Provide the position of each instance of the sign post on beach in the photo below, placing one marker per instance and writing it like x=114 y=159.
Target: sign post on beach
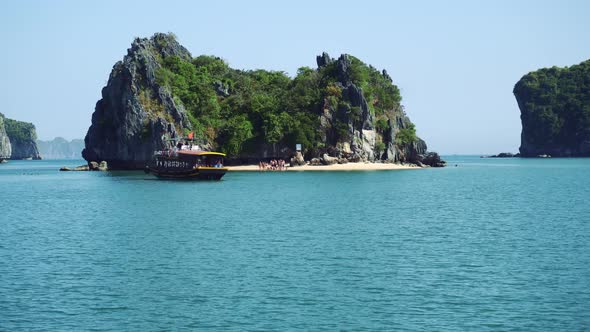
x=298 y=147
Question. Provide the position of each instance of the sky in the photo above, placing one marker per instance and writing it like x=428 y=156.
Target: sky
x=455 y=62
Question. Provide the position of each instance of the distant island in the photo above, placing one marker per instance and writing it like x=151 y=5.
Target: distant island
x=342 y=111
x=555 y=111
x=60 y=148
x=17 y=140
x=503 y=155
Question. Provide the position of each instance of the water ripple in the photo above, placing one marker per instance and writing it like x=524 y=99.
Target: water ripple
x=489 y=245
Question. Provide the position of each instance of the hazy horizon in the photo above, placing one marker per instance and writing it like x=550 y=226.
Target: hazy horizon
x=455 y=62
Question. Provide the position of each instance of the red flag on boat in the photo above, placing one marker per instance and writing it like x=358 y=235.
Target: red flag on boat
x=190 y=135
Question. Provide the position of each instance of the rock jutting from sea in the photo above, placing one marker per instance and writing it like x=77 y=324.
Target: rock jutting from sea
x=555 y=111
x=5 y=146
x=19 y=141
x=91 y=166
x=136 y=114
x=343 y=109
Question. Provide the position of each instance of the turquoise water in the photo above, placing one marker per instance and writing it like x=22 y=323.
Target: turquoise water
x=492 y=244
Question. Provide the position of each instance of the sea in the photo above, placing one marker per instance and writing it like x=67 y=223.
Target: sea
x=481 y=245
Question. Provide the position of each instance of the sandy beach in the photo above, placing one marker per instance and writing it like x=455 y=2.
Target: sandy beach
x=335 y=167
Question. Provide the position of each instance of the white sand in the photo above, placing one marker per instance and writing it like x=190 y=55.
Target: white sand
x=335 y=167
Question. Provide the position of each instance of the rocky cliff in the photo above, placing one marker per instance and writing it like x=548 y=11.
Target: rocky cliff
x=22 y=136
x=555 y=111
x=5 y=147
x=136 y=115
x=344 y=109
x=60 y=148
x=354 y=130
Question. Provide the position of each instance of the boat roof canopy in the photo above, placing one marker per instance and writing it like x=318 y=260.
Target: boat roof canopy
x=201 y=153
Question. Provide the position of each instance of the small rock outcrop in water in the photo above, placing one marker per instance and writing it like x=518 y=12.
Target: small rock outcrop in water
x=136 y=114
x=503 y=155
x=555 y=111
x=60 y=148
x=432 y=159
x=91 y=166
x=5 y=146
x=78 y=168
x=22 y=136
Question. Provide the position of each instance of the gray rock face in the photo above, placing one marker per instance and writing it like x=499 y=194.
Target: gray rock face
x=221 y=89
x=327 y=160
x=23 y=139
x=136 y=115
x=364 y=137
x=528 y=148
x=406 y=153
x=432 y=159
x=323 y=60
x=362 y=134
x=5 y=146
x=297 y=160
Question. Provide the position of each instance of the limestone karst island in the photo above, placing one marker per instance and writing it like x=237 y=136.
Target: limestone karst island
x=342 y=111
x=17 y=140
x=555 y=111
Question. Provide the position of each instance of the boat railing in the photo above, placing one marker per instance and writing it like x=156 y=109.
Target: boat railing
x=167 y=153
x=174 y=151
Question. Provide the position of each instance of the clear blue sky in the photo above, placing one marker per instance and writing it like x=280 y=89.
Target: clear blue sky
x=455 y=62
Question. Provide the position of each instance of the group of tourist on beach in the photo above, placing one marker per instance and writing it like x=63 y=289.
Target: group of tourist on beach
x=273 y=165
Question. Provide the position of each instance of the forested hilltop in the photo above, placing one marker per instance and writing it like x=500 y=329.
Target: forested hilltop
x=344 y=108
x=555 y=111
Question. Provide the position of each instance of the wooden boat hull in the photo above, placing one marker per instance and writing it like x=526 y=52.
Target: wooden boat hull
x=200 y=173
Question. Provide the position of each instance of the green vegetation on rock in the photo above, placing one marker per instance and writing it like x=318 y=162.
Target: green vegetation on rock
x=555 y=110
x=22 y=136
x=344 y=109
x=406 y=136
x=239 y=110
x=20 y=131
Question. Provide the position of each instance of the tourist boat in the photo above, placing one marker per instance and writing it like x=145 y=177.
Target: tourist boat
x=187 y=163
